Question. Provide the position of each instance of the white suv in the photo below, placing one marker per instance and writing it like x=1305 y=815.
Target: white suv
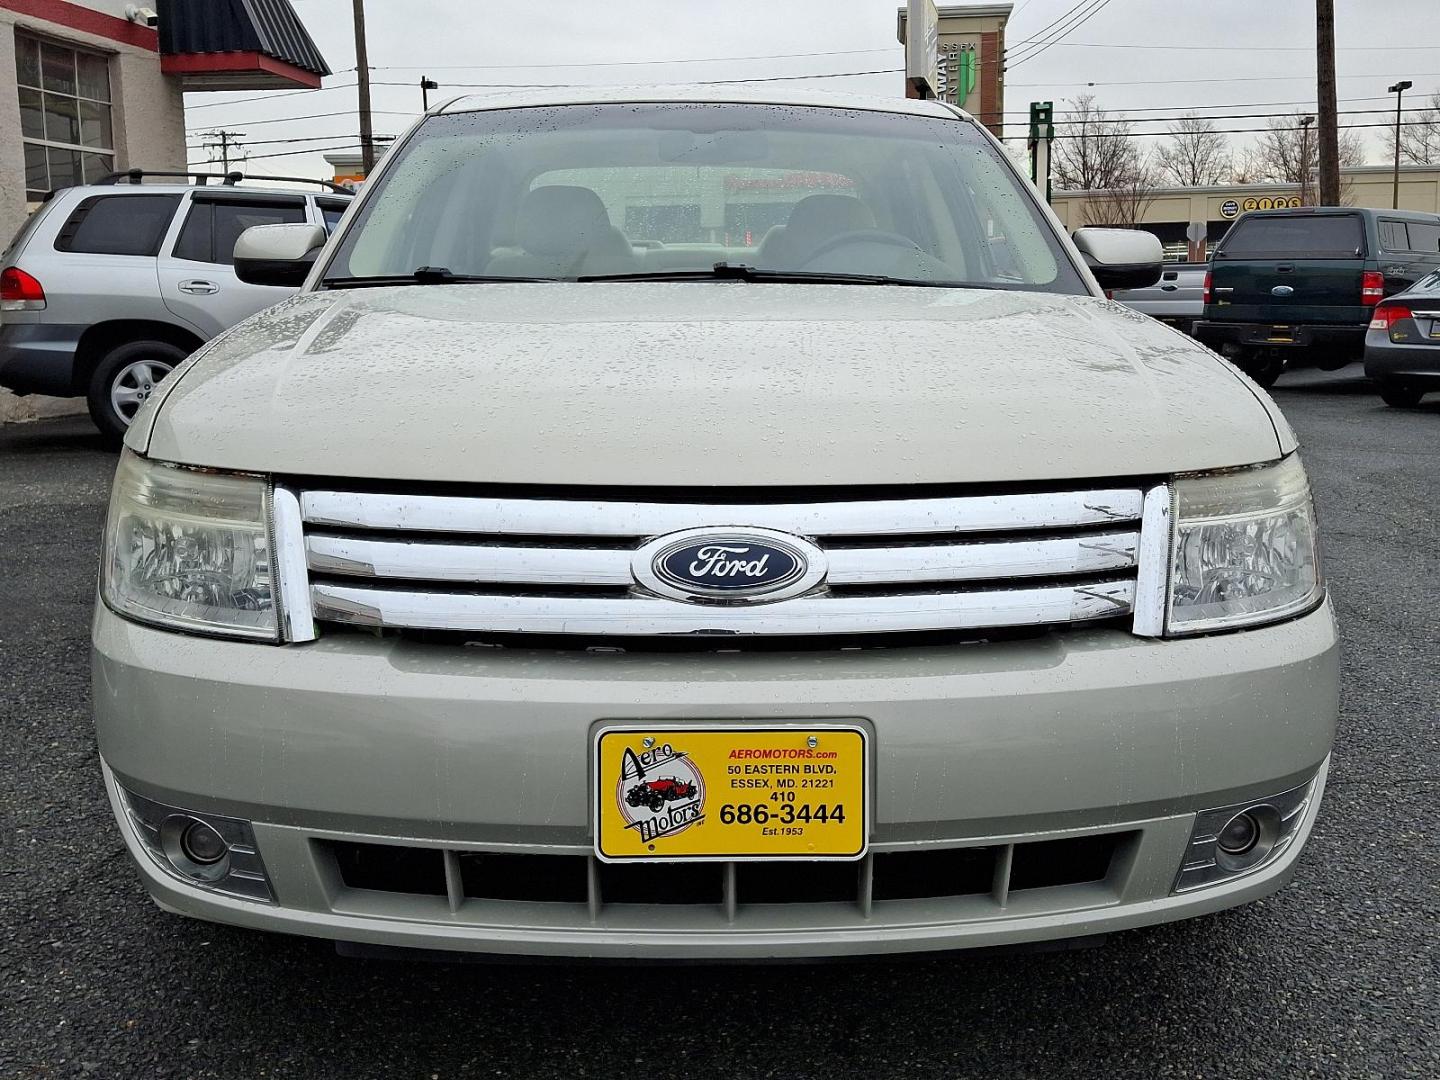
x=108 y=286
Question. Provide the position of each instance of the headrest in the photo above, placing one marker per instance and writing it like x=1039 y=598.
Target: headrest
x=558 y=220
x=819 y=217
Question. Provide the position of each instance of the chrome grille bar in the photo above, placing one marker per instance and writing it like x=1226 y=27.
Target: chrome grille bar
x=407 y=560
x=646 y=616
x=560 y=517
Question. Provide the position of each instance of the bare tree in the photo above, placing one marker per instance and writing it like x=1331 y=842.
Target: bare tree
x=1287 y=153
x=1245 y=167
x=1123 y=204
x=1419 y=136
x=1096 y=150
x=1196 y=155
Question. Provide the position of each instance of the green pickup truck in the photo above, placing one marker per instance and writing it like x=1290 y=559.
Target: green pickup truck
x=1292 y=286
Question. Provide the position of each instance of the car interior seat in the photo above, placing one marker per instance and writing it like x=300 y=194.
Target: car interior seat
x=813 y=221
x=563 y=231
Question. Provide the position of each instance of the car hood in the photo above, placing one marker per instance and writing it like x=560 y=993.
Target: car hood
x=706 y=383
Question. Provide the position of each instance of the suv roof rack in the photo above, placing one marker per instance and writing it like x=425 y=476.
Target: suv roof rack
x=229 y=179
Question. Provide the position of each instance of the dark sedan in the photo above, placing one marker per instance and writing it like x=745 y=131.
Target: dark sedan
x=1402 y=346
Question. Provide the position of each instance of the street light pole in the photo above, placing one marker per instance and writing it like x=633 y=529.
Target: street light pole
x=362 y=71
x=1399 y=91
x=1305 y=122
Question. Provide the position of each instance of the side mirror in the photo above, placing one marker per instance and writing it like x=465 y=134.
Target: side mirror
x=277 y=254
x=1121 y=258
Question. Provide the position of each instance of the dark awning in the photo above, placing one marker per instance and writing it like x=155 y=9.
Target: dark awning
x=237 y=45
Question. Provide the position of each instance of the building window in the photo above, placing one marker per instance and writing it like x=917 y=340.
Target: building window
x=64 y=115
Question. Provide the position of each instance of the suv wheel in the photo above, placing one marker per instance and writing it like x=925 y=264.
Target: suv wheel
x=1402 y=397
x=124 y=380
x=1264 y=366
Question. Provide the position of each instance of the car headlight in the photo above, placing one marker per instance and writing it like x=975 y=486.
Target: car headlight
x=190 y=549
x=1244 y=550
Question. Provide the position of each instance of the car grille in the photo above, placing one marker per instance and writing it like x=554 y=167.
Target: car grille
x=562 y=565
x=929 y=872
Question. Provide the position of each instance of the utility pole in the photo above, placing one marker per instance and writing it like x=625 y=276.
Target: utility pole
x=426 y=85
x=1399 y=91
x=1329 y=117
x=362 y=72
x=1305 y=122
x=223 y=140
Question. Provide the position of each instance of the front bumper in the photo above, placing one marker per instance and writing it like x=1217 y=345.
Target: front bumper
x=39 y=358
x=358 y=740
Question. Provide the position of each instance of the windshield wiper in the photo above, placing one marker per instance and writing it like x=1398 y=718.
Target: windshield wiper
x=728 y=271
x=424 y=275
x=743 y=271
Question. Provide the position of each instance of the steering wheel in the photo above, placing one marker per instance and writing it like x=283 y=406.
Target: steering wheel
x=862 y=236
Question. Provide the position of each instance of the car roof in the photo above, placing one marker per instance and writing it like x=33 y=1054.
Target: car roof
x=1333 y=211
x=699 y=93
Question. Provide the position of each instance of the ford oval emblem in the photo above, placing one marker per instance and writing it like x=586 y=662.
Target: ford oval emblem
x=1282 y=290
x=739 y=565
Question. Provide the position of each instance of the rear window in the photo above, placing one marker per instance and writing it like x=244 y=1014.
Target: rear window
x=1428 y=285
x=1328 y=236
x=118 y=224
x=1410 y=236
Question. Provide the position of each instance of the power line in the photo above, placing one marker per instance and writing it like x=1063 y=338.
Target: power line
x=1310 y=103
x=1112 y=117
x=268 y=97
x=320 y=116
x=1227 y=47
x=292 y=153
x=1235 y=131
x=628 y=63
x=1067 y=29
x=1253 y=78
x=1049 y=26
x=697 y=82
x=278 y=142
x=576 y=86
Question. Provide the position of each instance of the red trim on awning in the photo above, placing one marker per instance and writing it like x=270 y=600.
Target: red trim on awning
x=87 y=21
x=234 y=63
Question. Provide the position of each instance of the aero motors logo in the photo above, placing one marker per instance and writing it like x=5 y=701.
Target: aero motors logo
x=660 y=792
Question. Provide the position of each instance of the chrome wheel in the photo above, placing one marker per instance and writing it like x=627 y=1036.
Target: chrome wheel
x=133 y=384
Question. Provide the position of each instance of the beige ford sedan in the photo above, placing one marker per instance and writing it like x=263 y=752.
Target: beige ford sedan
x=708 y=525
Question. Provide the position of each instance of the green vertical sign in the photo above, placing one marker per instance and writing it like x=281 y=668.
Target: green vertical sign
x=965 y=77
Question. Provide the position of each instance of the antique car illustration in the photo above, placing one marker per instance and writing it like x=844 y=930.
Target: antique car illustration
x=656 y=793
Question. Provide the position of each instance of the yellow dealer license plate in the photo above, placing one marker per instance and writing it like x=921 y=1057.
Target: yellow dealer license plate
x=731 y=793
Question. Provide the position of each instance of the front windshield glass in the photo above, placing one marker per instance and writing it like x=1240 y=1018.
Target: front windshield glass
x=644 y=190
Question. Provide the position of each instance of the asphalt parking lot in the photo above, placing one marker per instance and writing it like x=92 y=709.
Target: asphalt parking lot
x=1337 y=976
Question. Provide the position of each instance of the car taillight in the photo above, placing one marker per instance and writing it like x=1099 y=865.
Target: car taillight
x=1372 y=287
x=19 y=291
x=1387 y=315
x=1205 y=296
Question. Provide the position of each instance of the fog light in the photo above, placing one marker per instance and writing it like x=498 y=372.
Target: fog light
x=202 y=844
x=209 y=850
x=1233 y=840
x=1239 y=835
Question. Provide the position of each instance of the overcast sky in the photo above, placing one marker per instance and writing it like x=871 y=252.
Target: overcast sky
x=1166 y=56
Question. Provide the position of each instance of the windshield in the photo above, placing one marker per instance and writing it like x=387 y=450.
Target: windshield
x=641 y=190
